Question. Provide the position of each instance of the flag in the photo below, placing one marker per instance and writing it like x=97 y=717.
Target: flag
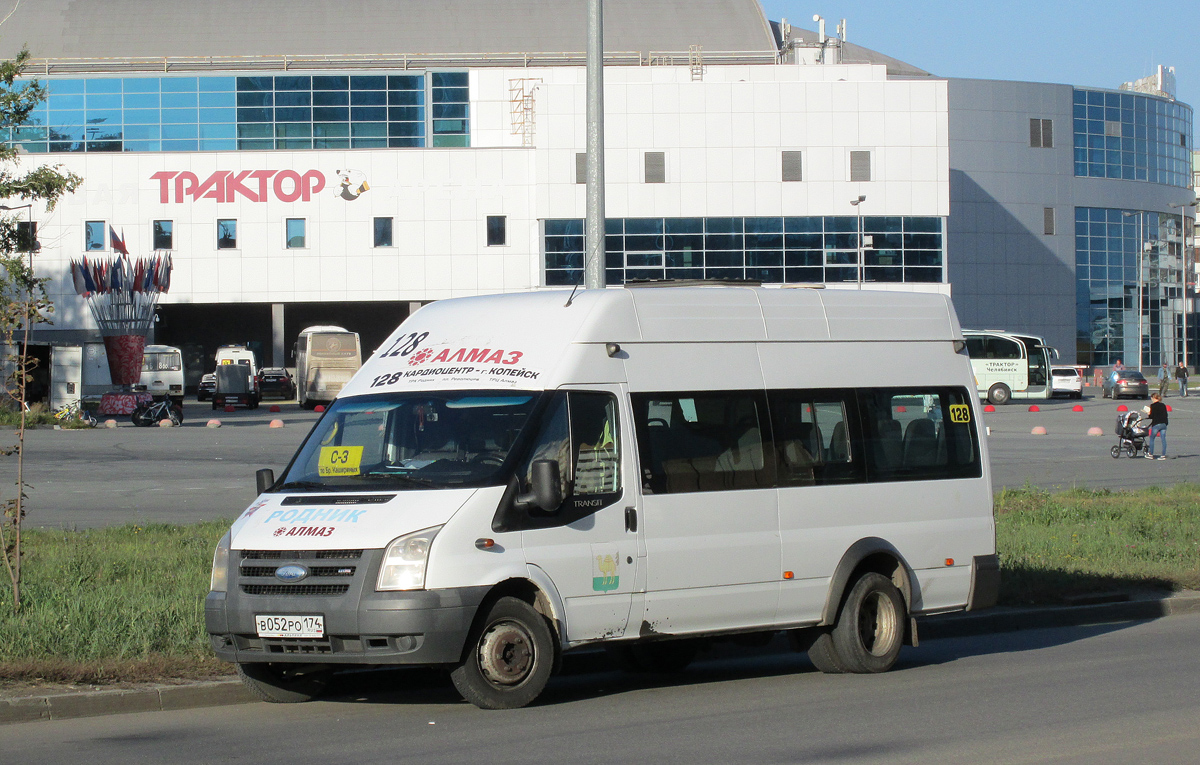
x=118 y=242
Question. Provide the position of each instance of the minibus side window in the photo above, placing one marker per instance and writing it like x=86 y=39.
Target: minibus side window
x=919 y=434
x=703 y=441
x=815 y=437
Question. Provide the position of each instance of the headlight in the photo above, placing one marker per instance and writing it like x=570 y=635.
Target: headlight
x=404 y=561
x=220 y=569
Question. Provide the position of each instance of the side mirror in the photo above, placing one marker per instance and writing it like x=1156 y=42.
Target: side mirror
x=546 y=494
x=264 y=479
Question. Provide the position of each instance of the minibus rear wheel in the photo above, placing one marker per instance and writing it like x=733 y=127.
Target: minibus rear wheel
x=509 y=658
x=280 y=684
x=870 y=628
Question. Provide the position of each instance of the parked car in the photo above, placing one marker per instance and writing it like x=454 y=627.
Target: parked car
x=1125 y=382
x=206 y=388
x=276 y=381
x=1067 y=381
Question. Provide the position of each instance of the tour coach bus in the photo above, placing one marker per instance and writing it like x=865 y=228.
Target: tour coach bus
x=326 y=358
x=512 y=477
x=1009 y=365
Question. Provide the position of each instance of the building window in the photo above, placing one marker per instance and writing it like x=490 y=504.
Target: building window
x=1131 y=136
x=450 y=96
x=27 y=236
x=581 y=167
x=792 y=168
x=295 y=233
x=164 y=238
x=860 y=166
x=656 y=167
x=496 y=233
x=93 y=236
x=227 y=234
x=1048 y=221
x=1041 y=133
x=383 y=232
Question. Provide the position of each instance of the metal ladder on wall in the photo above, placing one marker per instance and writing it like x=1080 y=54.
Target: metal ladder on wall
x=520 y=99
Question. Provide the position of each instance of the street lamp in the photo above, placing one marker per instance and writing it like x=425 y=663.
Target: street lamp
x=1183 y=252
x=857 y=207
x=1141 y=247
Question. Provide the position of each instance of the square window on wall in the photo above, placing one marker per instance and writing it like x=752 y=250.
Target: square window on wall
x=164 y=236
x=497 y=234
x=93 y=236
x=227 y=234
x=295 y=228
x=383 y=232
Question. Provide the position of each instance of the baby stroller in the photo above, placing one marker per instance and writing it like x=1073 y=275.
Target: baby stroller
x=1131 y=434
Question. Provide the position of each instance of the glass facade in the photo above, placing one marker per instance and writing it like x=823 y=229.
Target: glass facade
x=1108 y=243
x=770 y=250
x=328 y=111
x=1133 y=137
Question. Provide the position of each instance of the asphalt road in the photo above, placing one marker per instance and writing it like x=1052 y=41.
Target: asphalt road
x=1122 y=693
x=177 y=475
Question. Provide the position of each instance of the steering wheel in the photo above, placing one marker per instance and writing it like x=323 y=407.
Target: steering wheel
x=657 y=421
x=485 y=458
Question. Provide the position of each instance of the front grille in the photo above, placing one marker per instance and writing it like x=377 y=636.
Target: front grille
x=338 y=499
x=295 y=589
x=313 y=571
x=301 y=555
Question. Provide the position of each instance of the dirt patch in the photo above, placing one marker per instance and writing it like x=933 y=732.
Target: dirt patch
x=38 y=677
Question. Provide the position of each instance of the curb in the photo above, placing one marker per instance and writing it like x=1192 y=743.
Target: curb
x=165 y=698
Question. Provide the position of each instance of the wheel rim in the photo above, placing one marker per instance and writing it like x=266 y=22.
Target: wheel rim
x=506 y=653
x=877 y=624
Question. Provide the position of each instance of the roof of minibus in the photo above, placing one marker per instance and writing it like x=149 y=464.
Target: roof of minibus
x=527 y=336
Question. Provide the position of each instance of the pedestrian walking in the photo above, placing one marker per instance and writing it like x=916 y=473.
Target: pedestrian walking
x=1181 y=375
x=1164 y=380
x=1158 y=426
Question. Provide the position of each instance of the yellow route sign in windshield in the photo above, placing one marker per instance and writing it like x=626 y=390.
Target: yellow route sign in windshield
x=340 y=460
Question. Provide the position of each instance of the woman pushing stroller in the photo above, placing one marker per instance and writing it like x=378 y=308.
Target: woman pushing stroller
x=1158 y=426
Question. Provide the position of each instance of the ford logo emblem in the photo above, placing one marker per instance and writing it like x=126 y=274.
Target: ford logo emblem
x=292 y=573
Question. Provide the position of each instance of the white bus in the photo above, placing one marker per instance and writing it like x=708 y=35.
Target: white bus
x=1010 y=365
x=326 y=358
x=162 y=371
x=512 y=477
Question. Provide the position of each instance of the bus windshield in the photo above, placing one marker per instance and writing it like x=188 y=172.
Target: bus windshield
x=412 y=441
x=333 y=345
x=169 y=361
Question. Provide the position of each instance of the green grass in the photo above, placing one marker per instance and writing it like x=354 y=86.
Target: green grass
x=127 y=603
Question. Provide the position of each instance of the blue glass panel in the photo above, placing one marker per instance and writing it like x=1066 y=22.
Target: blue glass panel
x=293 y=143
x=684 y=226
x=451 y=94
x=843 y=241
x=369 y=82
x=255 y=144
x=450 y=111
x=141 y=116
x=179 y=131
x=255 y=131
x=140 y=85
x=179 y=100
x=110 y=145
x=104 y=101
x=764 y=241
x=405 y=113
x=331 y=98
x=802 y=225
x=65 y=146
x=331 y=143
x=368 y=143
x=567 y=227
x=405 y=82
x=923 y=224
x=368 y=97
x=142 y=145
x=67 y=117
x=222 y=100
x=255 y=98
x=293 y=83
x=177 y=116
x=255 y=84
x=218 y=115
x=1095 y=112
x=763 y=225
x=368 y=113
x=143 y=132
x=254 y=115
x=1080 y=111
x=141 y=101
x=331 y=114
x=98 y=117
x=293 y=130
x=64 y=87
x=406 y=97
x=804 y=241
x=325 y=82
x=30 y=134
x=57 y=103
x=450 y=79
x=293 y=114
x=399 y=143
x=372 y=129
x=922 y=274
x=331 y=130
x=294 y=98
x=217 y=144
x=218 y=131
x=178 y=85
x=406 y=129
x=216 y=84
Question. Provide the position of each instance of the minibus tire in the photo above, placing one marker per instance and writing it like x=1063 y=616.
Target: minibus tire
x=824 y=656
x=870 y=627
x=509 y=657
x=271 y=682
x=999 y=394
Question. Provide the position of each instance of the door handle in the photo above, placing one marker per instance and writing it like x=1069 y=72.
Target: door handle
x=631 y=519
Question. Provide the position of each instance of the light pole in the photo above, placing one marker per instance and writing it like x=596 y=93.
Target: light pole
x=1140 y=247
x=1183 y=253
x=857 y=203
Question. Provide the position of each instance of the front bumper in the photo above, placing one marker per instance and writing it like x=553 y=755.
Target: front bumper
x=362 y=626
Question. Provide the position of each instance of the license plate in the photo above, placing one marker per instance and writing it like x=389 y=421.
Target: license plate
x=290 y=626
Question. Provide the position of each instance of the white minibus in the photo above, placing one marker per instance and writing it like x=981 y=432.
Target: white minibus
x=512 y=477
x=1009 y=365
x=162 y=371
x=326 y=358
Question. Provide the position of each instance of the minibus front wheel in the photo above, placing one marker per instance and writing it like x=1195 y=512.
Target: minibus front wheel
x=509 y=657
x=870 y=628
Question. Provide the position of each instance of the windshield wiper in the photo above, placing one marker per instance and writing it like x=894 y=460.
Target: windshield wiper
x=302 y=485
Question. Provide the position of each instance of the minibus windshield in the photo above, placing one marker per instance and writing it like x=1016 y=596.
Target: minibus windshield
x=412 y=441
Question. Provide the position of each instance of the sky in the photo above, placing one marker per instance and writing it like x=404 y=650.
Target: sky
x=1100 y=43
